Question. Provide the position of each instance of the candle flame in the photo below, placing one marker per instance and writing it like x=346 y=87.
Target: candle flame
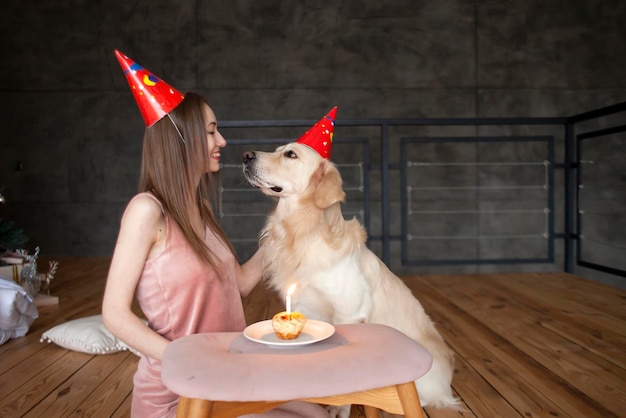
x=291 y=289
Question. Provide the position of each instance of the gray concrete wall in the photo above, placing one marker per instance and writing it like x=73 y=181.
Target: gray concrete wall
x=72 y=134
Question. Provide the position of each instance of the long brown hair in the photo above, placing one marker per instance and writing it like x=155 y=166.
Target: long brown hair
x=170 y=168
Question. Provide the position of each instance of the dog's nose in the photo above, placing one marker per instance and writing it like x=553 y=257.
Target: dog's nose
x=249 y=156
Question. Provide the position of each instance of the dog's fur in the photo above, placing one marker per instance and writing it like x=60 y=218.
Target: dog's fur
x=306 y=240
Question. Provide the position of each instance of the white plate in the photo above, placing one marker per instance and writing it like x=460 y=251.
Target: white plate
x=314 y=331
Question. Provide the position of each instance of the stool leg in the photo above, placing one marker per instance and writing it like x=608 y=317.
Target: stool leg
x=200 y=408
x=371 y=411
x=193 y=408
x=183 y=407
x=355 y=411
x=409 y=400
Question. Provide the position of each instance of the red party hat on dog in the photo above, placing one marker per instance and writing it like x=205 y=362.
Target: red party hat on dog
x=320 y=136
x=154 y=97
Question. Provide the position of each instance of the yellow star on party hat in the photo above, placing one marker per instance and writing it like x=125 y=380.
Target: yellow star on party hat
x=320 y=136
x=154 y=97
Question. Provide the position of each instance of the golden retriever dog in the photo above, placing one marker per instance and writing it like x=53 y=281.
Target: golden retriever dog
x=339 y=280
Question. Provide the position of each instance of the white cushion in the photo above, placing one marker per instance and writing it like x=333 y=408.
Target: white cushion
x=87 y=335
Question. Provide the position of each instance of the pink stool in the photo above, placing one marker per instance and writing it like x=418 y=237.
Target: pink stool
x=226 y=375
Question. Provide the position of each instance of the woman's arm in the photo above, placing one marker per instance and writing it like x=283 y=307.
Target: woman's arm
x=142 y=229
x=250 y=274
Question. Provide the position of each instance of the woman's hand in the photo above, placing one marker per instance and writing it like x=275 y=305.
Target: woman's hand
x=250 y=274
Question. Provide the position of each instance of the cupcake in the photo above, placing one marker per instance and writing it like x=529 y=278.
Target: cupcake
x=288 y=326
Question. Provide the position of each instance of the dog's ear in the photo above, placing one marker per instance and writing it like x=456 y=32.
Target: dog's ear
x=329 y=189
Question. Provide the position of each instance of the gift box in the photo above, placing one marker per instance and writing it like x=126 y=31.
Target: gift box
x=12 y=271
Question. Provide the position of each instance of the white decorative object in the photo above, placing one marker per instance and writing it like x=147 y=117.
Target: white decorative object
x=29 y=278
x=45 y=284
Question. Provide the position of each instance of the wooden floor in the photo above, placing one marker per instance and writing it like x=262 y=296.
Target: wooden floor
x=528 y=345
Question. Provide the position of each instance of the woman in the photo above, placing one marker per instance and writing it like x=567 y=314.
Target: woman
x=171 y=254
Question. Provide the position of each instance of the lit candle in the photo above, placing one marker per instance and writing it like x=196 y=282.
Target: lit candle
x=288 y=299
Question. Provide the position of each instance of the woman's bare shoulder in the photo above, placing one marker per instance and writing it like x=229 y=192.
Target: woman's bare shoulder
x=144 y=206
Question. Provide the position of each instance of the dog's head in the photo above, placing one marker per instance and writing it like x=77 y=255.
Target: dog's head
x=294 y=170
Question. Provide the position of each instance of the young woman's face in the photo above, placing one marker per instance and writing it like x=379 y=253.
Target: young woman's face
x=215 y=140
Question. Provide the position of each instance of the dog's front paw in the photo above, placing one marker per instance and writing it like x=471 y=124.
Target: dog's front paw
x=339 y=411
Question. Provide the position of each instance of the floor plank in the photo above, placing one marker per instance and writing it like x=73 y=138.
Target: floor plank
x=592 y=330
x=515 y=324
x=110 y=397
x=486 y=349
x=79 y=386
x=36 y=390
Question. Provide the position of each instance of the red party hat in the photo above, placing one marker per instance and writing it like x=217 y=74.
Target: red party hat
x=154 y=97
x=320 y=136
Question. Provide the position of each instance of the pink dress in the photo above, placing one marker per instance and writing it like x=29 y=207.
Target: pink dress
x=180 y=296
